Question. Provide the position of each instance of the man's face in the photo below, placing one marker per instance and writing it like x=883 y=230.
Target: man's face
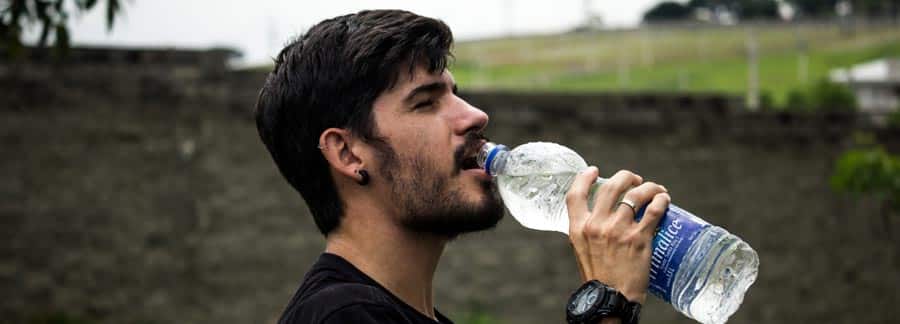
x=431 y=137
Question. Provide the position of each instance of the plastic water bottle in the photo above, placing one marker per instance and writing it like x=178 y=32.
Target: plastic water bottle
x=701 y=269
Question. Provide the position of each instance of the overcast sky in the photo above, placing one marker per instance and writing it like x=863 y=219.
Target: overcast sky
x=258 y=28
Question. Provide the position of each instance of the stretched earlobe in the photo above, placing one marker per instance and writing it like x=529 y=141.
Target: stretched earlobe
x=364 y=177
x=337 y=147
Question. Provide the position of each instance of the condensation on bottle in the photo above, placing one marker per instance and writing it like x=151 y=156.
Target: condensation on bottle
x=702 y=270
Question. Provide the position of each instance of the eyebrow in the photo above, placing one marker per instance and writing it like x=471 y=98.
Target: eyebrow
x=433 y=87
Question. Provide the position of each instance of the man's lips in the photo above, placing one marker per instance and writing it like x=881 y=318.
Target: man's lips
x=466 y=157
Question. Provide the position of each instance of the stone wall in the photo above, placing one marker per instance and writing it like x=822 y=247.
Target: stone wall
x=141 y=193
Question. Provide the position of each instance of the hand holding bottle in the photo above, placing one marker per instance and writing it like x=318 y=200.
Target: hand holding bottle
x=610 y=246
x=699 y=268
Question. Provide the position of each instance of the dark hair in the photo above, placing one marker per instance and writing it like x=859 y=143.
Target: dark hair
x=330 y=77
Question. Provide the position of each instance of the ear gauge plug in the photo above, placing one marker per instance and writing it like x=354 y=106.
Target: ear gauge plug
x=364 y=177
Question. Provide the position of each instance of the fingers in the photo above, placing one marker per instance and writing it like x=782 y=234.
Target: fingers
x=640 y=196
x=609 y=193
x=655 y=211
x=576 y=198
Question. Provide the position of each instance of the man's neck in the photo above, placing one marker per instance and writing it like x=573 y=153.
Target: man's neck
x=401 y=261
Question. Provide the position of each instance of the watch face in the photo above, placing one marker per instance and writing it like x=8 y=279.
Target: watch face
x=585 y=300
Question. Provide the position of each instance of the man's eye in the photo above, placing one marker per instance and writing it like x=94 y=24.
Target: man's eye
x=423 y=104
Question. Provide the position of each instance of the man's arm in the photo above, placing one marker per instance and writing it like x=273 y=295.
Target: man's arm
x=610 y=246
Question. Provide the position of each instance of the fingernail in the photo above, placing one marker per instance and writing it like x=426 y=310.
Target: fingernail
x=664 y=188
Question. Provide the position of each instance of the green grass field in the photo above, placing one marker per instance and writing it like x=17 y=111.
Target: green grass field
x=671 y=59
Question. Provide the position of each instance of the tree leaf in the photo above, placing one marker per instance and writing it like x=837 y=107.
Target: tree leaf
x=112 y=8
x=45 y=33
x=19 y=9
x=868 y=171
x=42 y=11
x=62 y=39
x=86 y=4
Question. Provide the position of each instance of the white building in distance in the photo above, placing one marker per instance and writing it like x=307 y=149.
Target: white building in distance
x=876 y=84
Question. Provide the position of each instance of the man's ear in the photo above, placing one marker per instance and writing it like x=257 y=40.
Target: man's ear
x=341 y=150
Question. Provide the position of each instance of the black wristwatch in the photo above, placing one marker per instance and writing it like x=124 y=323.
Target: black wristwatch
x=595 y=301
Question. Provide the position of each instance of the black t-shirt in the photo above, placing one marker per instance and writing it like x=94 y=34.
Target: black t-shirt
x=336 y=292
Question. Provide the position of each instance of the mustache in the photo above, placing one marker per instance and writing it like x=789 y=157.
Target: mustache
x=470 y=147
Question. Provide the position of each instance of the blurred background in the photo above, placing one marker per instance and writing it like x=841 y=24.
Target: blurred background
x=134 y=188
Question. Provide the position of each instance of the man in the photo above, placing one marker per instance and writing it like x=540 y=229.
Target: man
x=362 y=118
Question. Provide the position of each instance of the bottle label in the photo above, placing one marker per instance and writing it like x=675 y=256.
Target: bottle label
x=676 y=232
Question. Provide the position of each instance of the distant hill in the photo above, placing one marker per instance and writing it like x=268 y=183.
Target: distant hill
x=672 y=58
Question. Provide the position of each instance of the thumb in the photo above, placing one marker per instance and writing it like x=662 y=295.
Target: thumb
x=576 y=198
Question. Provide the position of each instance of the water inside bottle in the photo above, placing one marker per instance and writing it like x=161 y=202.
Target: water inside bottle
x=534 y=183
x=538 y=201
x=723 y=269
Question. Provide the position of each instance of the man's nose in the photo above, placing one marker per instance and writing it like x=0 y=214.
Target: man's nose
x=470 y=118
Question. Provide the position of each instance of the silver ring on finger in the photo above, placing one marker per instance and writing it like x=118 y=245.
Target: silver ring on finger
x=630 y=204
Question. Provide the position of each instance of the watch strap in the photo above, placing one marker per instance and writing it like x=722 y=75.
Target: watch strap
x=618 y=306
x=631 y=313
x=611 y=303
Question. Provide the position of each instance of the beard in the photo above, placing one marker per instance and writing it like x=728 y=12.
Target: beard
x=427 y=202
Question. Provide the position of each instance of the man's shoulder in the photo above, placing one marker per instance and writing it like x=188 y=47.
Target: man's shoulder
x=349 y=293
x=338 y=302
x=334 y=281
x=335 y=291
